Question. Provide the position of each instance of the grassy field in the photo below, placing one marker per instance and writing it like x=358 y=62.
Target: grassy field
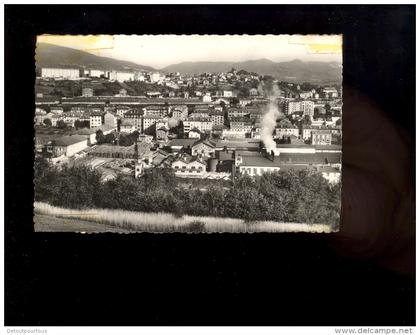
x=47 y=223
x=128 y=221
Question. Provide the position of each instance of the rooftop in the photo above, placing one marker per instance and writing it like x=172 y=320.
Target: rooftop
x=317 y=158
x=237 y=144
x=205 y=142
x=65 y=141
x=321 y=131
x=198 y=119
x=185 y=142
x=260 y=160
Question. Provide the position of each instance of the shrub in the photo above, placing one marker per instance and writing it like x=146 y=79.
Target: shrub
x=195 y=227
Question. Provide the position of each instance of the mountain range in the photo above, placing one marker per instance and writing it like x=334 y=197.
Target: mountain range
x=48 y=55
x=295 y=70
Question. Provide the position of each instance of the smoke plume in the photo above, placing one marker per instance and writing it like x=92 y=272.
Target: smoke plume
x=268 y=124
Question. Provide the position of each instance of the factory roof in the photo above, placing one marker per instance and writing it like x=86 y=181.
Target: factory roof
x=65 y=141
x=89 y=131
x=104 y=148
x=198 y=119
x=260 y=160
x=328 y=169
x=225 y=155
x=237 y=144
x=185 y=142
x=317 y=158
x=130 y=99
x=335 y=147
x=205 y=142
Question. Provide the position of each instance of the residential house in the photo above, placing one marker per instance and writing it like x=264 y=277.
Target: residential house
x=96 y=119
x=121 y=110
x=194 y=133
x=162 y=134
x=203 y=149
x=202 y=124
x=136 y=115
x=149 y=124
x=127 y=126
x=187 y=166
x=218 y=117
x=160 y=111
x=237 y=112
x=286 y=131
x=240 y=124
x=321 y=137
x=305 y=106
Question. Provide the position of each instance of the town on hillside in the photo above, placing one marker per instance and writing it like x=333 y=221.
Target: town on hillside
x=205 y=126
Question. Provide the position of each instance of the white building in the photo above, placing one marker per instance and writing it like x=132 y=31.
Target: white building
x=286 y=132
x=186 y=166
x=121 y=110
x=204 y=149
x=137 y=117
x=255 y=165
x=206 y=98
x=330 y=92
x=121 y=76
x=96 y=73
x=202 y=124
x=67 y=146
x=194 y=133
x=148 y=123
x=179 y=112
x=227 y=94
x=155 y=77
x=305 y=106
x=62 y=73
x=321 y=137
x=229 y=133
x=127 y=126
x=95 y=120
x=139 y=77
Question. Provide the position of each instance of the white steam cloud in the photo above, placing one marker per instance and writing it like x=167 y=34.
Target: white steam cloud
x=268 y=124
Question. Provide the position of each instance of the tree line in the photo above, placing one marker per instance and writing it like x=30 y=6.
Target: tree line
x=285 y=196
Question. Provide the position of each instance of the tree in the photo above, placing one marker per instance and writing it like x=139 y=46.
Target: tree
x=109 y=138
x=61 y=124
x=99 y=136
x=234 y=101
x=287 y=196
x=48 y=122
x=306 y=120
x=327 y=107
x=81 y=124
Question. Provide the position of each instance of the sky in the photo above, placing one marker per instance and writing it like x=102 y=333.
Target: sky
x=159 y=51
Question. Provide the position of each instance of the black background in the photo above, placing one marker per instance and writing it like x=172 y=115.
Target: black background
x=219 y=279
